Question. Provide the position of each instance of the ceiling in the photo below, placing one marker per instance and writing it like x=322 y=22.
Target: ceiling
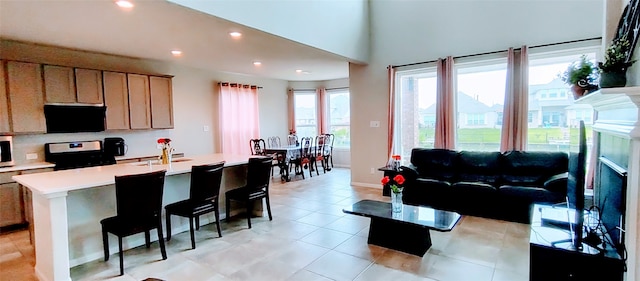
x=151 y=29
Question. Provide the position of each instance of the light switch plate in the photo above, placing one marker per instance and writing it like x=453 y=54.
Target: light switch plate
x=374 y=124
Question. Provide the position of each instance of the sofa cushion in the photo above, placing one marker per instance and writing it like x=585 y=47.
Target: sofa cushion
x=478 y=166
x=428 y=192
x=529 y=194
x=434 y=163
x=532 y=168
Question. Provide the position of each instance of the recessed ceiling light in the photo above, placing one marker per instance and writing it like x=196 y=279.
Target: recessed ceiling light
x=235 y=34
x=298 y=70
x=257 y=63
x=124 y=4
x=176 y=53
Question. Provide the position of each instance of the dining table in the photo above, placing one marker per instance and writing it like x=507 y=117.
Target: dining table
x=284 y=155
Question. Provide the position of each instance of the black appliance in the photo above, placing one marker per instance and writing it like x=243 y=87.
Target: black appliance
x=114 y=146
x=74 y=118
x=77 y=154
x=6 y=151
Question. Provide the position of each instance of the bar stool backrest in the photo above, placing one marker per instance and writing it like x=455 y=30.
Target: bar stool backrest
x=139 y=196
x=205 y=182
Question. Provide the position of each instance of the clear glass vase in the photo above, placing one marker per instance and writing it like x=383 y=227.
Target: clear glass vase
x=396 y=202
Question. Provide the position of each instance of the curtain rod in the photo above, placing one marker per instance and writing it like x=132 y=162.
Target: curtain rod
x=236 y=84
x=501 y=51
x=327 y=89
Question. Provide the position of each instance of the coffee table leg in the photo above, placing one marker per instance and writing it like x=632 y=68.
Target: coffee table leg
x=408 y=238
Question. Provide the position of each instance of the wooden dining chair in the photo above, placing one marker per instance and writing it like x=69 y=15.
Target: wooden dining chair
x=328 y=151
x=257 y=146
x=138 y=209
x=203 y=198
x=273 y=141
x=257 y=187
x=292 y=139
x=318 y=153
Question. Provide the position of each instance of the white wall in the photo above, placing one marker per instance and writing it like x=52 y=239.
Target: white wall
x=415 y=31
x=194 y=99
x=339 y=27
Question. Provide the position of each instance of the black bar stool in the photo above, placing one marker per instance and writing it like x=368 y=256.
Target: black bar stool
x=258 y=178
x=203 y=198
x=139 y=209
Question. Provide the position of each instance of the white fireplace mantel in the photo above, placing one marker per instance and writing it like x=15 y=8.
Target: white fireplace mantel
x=618 y=113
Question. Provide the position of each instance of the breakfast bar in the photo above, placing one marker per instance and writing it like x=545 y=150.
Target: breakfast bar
x=68 y=206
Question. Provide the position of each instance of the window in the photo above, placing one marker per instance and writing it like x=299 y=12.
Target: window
x=553 y=115
x=338 y=115
x=480 y=101
x=415 y=110
x=305 y=111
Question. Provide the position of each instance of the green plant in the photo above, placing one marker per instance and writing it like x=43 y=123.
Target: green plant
x=615 y=57
x=581 y=73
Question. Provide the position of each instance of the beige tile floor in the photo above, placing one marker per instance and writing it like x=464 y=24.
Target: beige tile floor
x=309 y=239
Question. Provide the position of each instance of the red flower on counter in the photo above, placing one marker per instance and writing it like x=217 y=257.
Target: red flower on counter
x=164 y=140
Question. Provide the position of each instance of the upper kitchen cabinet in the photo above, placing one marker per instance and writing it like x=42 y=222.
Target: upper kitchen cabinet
x=139 y=101
x=4 y=106
x=69 y=85
x=59 y=84
x=89 y=86
x=116 y=98
x=161 y=103
x=25 y=97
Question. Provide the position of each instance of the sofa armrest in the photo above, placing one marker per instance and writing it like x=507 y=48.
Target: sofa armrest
x=409 y=173
x=557 y=183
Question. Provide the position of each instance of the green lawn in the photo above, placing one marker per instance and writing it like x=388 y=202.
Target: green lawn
x=489 y=135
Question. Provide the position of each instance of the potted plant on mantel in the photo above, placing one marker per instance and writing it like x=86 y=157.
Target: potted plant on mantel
x=613 y=71
x=580 y=75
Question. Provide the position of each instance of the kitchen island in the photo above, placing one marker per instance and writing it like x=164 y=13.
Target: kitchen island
x=68 y=206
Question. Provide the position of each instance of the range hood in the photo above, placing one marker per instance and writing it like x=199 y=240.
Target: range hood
x=74 y=118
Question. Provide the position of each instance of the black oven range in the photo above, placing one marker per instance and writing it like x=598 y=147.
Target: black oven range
x=77 y=154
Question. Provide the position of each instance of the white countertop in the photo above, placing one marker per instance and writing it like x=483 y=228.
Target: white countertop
x=31 y=166
x=56 y=183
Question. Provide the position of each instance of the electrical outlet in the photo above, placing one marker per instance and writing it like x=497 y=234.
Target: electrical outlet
x=373 y=171
x=374 y=124
x=32 y=156
x=205 y=128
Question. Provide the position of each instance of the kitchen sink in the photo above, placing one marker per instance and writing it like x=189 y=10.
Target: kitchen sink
x=181 y=159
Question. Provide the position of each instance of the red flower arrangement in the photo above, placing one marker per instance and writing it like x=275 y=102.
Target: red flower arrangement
x=164 y=141
x=395 y=184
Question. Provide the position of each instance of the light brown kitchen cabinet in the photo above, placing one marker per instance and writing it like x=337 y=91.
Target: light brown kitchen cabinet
x=89 y=86
x=59 y=84
x=25 y=97
x=161 y=103
x=139 y=101
x=116 y=98
x=4 y=105
x=11 y=210
x=28 y=203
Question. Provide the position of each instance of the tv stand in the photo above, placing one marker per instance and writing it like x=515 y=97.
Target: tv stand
x=551 y=258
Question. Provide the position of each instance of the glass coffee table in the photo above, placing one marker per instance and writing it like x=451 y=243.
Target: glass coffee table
x=406 y=231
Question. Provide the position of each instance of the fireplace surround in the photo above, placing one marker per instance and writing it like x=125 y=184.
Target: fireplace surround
x=617 y=128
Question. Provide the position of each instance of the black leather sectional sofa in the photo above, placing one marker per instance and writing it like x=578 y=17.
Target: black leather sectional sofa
x=488 y=184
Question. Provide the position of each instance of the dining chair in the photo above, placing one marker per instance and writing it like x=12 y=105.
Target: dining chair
x=273 y=142
x=318 y=153
x=138 y=209
x=203 y=198
x=257 y=187
x=328 y=150
x=292 y=139
x=257 y=146
x=304 y=158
